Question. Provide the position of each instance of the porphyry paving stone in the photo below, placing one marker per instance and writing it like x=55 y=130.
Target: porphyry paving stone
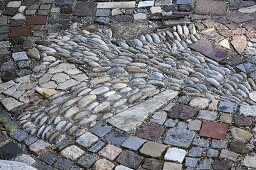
x=153 y=149
x=183 y=111
x=85 y=8
x=209 y=7
x=131 y=118
x=130 y=159
x=110 y=152
x=179 y=137
x=214 y=130
x=133 y=142
x=210 y=50
x=151 y=131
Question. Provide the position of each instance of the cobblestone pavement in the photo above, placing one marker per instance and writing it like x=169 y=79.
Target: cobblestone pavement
x=128 y=85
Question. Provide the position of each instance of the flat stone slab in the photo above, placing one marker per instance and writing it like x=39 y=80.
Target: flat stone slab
x=213 y=51
x=112 y=5
x=238 y=17
x=85 y=9
x=131 y=118
x=210 y=7
x=9 y=165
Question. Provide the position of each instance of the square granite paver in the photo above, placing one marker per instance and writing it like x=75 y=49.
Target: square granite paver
x=153 y=149
x=129 y=159
x=210 y=7
x=133 y=142
x=116 y=138
x=214 y=130
x=100 y=129
x=227 y=106
x=87 y=160
x=179 y=137
x=213 y=51
x=85 y=8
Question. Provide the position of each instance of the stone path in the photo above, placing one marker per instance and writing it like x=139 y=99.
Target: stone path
x=76 y=95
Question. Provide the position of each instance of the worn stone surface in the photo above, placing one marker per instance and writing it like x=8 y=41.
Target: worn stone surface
x=131 y=117
x=214 y=130
x=130 y=159
x=153 y=149
x=239 y=43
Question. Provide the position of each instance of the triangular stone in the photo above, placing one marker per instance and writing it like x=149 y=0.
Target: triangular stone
x=239 y=43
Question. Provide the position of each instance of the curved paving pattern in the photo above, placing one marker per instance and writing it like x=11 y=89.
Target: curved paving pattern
x=172 y=99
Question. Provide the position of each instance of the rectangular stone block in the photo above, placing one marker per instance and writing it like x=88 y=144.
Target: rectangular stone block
x=112 y=5
x=131 y=118
x=21 y=31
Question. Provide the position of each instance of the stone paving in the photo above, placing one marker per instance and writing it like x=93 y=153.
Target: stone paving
x=77 y=95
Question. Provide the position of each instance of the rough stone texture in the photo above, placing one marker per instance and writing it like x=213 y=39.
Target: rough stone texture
x=153 y=149
x=103 y=164
x=85 y=8
x=131 y=118
x=171 y=165
x=9 y=151
x=209 y=7
x=4 y=164
x=116 y=138
x=239 y=43
x=72 y=152
x=248 y=110
x=87 y=139
x=39 y=147
x=238 y=17
x=240 y=134
x=175 y=154
x=130 y=159
x=249 y=161
x=214 y=130
x=182 y=111
x=199 y=102
x=194 y=125
x=151 y=131
x=211 y=50
x=179 y=137
x=133 y=142
x=226 y=154
x=151 y=163
x=110 y=152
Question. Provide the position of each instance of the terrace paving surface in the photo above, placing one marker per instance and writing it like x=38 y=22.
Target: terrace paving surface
x=128 y=85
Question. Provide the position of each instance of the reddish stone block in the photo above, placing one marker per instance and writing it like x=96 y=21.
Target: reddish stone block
x=36 y=20
x=21 y=31
x=151 y=131
x=214 y=130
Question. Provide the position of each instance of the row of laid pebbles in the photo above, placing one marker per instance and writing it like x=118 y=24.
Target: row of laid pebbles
x=112 y=78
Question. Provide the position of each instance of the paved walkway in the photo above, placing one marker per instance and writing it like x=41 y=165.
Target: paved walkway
x=178 y=95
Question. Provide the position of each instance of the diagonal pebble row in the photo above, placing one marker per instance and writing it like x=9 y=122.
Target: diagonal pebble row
x=87 y=77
